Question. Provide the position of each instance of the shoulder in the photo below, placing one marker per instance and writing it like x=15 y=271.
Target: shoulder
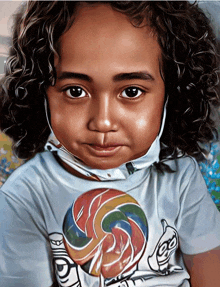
x=182 y=167
x=40 y=162
x=183 y=164
x=186 y=175
x=187 y=167
x=29 y=175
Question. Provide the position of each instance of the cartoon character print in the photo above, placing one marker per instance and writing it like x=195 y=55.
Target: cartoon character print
x=138 y=278
x=69 y=274
x=165 y=248
x=65 y=269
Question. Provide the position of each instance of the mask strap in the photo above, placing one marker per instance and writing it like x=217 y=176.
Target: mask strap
x=164 y=118
x=47 y=117
x=46 y=113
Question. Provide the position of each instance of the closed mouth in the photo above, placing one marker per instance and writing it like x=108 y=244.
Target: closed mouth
x=104 y=150
x=105 y=147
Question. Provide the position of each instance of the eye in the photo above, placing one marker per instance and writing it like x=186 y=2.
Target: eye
x=172 y=243
x=62 y=267
x=75 y=92
x=132 y=92
x=162 y=248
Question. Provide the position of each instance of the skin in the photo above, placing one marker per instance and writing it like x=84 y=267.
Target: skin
x=204 y=268
x=104 y=127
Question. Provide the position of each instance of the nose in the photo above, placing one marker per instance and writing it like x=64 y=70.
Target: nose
x=103 y=115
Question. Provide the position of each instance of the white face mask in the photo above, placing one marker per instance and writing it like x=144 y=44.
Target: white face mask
x=121 y=172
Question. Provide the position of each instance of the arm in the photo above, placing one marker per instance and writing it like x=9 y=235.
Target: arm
x=204 y=268
x=199 y=231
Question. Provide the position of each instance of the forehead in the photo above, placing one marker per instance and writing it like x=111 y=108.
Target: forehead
x=102 y=34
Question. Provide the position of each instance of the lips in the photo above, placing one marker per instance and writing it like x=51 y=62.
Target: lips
x=104 y=150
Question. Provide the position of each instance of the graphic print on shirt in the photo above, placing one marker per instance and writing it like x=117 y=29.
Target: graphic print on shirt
x=65 y=269
x=106 y=233
x=165 y=248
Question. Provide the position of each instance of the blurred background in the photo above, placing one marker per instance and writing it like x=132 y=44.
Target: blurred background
x=7 y=9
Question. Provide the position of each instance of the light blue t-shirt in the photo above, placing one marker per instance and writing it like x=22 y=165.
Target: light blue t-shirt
x=180 y=214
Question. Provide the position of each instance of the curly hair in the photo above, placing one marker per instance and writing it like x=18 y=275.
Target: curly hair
x=190 y=70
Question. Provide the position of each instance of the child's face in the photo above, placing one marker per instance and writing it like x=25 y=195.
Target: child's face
x=107 y=104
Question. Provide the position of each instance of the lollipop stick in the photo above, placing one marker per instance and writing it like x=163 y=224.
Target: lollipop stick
x=101 y=281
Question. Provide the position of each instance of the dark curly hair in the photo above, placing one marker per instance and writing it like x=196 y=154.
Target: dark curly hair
x=190 y=69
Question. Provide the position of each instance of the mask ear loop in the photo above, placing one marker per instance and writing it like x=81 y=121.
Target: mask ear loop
x=164 y=117
x=46 y=107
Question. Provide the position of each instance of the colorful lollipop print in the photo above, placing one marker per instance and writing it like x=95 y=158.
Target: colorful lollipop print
x=105 y=231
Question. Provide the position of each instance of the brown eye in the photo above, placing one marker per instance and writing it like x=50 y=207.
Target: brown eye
x=75 y=92
x=132 y=92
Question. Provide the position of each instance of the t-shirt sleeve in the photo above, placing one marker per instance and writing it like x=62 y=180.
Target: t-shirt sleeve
x=24 y=252
x=198 y=220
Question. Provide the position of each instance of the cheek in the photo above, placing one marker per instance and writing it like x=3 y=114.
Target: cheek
x=58 y=120
x=147 y=123
x=66 y=117
x=142 y=123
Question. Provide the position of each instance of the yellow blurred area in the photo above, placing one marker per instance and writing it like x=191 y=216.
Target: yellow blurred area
x=8 y=161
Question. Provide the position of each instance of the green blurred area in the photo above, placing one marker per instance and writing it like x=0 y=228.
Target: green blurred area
x=217 y=194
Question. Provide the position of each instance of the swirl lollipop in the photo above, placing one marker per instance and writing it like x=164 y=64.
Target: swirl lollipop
x=106 y=232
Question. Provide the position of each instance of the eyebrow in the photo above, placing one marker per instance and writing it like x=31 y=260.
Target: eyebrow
x=71 y=75
x=117 y=78
x=133 y=76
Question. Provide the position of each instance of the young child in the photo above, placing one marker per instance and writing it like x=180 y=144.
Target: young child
x=120 y=96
